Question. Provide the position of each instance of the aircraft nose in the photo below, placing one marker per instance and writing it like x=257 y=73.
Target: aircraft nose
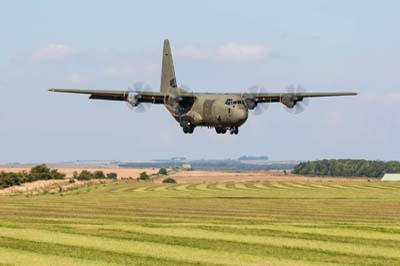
x=242 y=115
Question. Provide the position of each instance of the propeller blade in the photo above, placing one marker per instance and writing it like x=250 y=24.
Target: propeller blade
x=260 y=107
x=299 y=108
x=138 y=86
x=258 y=110
x=301 y=104
x=140 y=109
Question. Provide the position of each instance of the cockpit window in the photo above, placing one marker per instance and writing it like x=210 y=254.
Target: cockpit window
x=229 y=102
x=238 y=102
x=232 y=102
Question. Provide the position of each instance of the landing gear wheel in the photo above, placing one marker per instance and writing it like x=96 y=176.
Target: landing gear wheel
x=188 y=129
x=187 y=124
x=234 y=130
x=191 y=129
x=220 y=130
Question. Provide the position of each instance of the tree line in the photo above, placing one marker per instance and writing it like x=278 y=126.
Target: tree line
x=42 y=172
x=39 y=172
x=347 y=168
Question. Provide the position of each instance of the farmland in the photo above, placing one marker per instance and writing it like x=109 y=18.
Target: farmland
x=269 y=223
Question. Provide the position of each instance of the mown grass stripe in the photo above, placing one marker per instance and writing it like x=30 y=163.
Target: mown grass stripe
x=148 y=249
x=95 y=256
x=24 y=258
x=265 y=250
x=297 y=242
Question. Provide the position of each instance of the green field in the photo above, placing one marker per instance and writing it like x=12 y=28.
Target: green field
x=130 y=223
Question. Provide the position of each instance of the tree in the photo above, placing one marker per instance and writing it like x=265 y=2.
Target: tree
x=42 y=172
x=163 y=171
x=39 y=172
x=85 y=175
x=112 y=175
x=347 y=168
x=99 y=175
x=169 y=180
x=144 y=177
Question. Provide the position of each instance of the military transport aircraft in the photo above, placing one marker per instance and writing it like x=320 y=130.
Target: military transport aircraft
x=222 y=111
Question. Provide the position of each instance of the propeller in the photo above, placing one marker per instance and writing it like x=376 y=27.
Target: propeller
x=252 y=104
x=293 y=103
x=133 y=99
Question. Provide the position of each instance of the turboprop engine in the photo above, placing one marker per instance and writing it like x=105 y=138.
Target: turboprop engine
x=133 y=99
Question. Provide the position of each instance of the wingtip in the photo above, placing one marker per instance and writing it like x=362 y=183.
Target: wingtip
x=51 y=90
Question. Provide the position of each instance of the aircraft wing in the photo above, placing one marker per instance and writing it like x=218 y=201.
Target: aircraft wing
x=142 y=96
x=289 y=99
x=276 y=97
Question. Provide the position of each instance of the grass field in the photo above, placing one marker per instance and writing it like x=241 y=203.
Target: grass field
x=274 y=223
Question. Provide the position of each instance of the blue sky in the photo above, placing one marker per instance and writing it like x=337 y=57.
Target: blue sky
x=217 y=46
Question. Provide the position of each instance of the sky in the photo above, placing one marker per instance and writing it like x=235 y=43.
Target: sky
x=218 y=46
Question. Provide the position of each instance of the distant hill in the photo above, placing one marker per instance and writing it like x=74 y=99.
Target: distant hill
x=253 y=158
x=226 y=164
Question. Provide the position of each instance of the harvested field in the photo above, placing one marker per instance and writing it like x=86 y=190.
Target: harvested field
x=268 y=223
x=204 y=176
x=122 y=172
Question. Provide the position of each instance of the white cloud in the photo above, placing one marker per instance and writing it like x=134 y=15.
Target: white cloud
x=191 y=52
x=230 y=51
x=51 y=52
x=126 y=70
x=234 y=51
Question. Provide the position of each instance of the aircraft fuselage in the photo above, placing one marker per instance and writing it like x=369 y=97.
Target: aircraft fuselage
x=221 y=111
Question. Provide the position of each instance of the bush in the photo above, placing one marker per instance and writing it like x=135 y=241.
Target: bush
x=98 y=175
x=112 y=175
x=144 y=177
x=169 y=180
x=85 y=175
x=9 y=179
x=42 y=172
x=39 y=172
x=163 y=171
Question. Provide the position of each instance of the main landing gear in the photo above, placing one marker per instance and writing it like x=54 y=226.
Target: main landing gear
x=223 y=130
x=187 y=124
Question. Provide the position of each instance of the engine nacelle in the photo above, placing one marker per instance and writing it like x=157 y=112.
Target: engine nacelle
x=289 y=101
x=251 y=104
x=133 y=99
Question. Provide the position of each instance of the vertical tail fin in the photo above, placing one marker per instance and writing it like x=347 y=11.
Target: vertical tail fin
x=168 y=79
